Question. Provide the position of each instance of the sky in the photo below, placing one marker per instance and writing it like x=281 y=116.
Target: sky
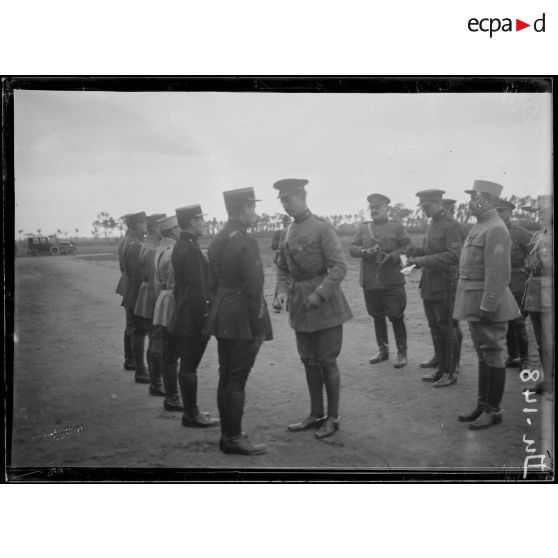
x=82 y=152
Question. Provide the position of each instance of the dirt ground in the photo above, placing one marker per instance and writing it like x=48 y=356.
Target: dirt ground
x=75 y=406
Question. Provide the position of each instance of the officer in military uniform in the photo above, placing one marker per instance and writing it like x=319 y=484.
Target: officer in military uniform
x=132 y=270
x=239 y=318
x=516 y=339
x=145 y=301
x=438 y=260
x=310 y=269
x=485 y=300
x=164 y=310
x=539 y=291
x=379 y=244
x=129 y=363
x=192 y=299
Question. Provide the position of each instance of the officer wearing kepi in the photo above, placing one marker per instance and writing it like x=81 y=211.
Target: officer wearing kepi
x=438 y=260
x=239 y=318
x=379 y=244
x=129 y=363
x=485 y=300
x=192 y=294
x=310 y=268
x=516 y=339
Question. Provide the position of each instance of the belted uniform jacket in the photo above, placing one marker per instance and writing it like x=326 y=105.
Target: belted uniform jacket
x=239 y=309
x=311 y=259
x=191 y=287
x=379 y=272
x=132 y=270
x=484 y=272
x=122 y=283
x=439 y=258
x=145 y=303
x=163 y=281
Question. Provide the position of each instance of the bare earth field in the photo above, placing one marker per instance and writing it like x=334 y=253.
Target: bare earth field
x=75 y=406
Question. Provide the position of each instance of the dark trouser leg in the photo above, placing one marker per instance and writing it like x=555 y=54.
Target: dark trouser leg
x=153 y=362
x=138 y=348
x=129 y=363
x=374 y=300
x=236 y=359
x=489 y=341
x=431 y=313
x=306 y=346
x=191 y=350
x=511 y=341
x=395 y=304
x=328 y=344
x=458 y=342
x=536 y=320
x=522 y=339
x=400 y=333
x=169 y=360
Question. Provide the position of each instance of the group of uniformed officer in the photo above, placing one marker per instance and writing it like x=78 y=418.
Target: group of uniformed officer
x=179 y=297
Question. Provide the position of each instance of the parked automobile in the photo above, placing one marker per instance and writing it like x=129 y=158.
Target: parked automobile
x=44 y=245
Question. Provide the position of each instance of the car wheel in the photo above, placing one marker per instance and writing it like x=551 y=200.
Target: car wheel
x=54 y=250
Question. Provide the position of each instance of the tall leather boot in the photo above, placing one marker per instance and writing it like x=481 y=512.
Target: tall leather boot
x=315 y=381
x=492 y=411
x=173 y=402
x=154 y=366
x=482 y=395
x=447 y=364
x=192 y=416
x=234 y=402
x=138 y=349
x=129 y=363
x=380 y=329
x=332 y=382
x=440 y=349
x=523 y=343
x=459 y=341
x=435 y=360
x=400 y=332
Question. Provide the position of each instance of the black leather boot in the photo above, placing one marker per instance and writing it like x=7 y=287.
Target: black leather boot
x=380 y=329
x=138 y=349
x=154 y=366
x=492 y=412
x=173 y=401
x=433 y=362
x=129 y=363
x=400 y=333
x=482 y=395
x=315 y=381
x=192 y=416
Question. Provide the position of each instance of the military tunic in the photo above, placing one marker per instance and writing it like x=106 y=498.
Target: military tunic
x=164 y=283
x=145 y=302
x=132 y=270
x=311 y=260
x=484 y=276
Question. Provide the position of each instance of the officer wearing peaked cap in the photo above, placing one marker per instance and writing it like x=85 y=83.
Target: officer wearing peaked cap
x=131 y=249
x=516 y=339
x=438 y=259
x=539 y=291
x=192 y=300
x=379 y=244
x=145 y=302
x=129 y=363
x=239 y=318
x=485 y=300
x=310 y=268
x=164 y=311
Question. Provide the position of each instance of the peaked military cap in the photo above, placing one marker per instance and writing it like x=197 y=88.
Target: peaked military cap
x=185 y=214
x=486 y=187
x=152 y=219
x=167 y=223
x=133 y=218
x=288 y=186
x=378 y=199
x=430 y=196
x=504 y=204
x=447 y=202
x=238 y=197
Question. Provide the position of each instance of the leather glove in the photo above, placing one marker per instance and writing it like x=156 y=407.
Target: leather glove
x=313 y=301
x=412 y=250
x=486 y=317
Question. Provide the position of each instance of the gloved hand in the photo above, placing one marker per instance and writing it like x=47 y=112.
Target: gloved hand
x=313 y=301
x=486 y=317
x=412 y=250
x=417 y=260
